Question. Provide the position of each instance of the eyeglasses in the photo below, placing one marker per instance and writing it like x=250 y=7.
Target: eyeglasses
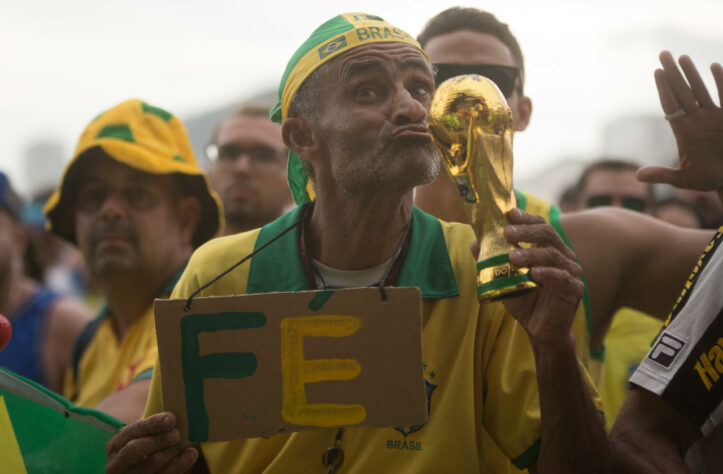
x=504 y=76
x=261 y=157
x=633 y=203
x=92 y=196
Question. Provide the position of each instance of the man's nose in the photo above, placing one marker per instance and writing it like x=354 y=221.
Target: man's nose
x=244 y=163
x=407 y=108
x=113 y=206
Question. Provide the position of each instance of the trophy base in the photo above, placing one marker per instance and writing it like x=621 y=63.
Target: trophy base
x=499 y=279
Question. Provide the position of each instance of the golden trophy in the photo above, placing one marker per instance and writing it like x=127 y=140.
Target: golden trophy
x=471 y=126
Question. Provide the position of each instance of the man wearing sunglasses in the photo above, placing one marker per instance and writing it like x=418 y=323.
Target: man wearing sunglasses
x=629 y=259
x=613 y=182
x=610 y=182
x=248 y=169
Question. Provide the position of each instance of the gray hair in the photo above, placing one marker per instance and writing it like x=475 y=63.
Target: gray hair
x=305 y=104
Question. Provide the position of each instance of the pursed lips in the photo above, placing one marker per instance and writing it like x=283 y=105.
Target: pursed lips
x=411 y=131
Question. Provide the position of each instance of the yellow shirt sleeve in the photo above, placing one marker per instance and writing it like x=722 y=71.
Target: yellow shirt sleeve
x=511 y=410
x=511 y=413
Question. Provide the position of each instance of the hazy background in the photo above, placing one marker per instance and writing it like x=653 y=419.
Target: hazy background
x=589 y=70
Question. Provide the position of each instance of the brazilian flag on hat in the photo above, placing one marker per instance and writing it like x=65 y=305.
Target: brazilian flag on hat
x=148 y=139
x=336 y=36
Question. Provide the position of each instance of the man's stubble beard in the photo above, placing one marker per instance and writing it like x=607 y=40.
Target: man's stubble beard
x=392 y=169
x=111 y=265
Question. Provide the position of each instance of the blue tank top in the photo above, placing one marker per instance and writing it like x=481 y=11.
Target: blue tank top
x=23 y=354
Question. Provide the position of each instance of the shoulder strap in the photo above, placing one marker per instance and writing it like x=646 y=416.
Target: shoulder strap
x=81 y=344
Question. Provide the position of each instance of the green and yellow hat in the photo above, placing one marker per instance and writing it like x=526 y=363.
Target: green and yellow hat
x=338 y=35
x=148 y=139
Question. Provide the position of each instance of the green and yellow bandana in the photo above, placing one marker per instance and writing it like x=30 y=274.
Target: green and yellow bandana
x=338 y=35
x=148 y=139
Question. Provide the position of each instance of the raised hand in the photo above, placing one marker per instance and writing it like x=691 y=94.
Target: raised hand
x=697 y=124
x=547 y=312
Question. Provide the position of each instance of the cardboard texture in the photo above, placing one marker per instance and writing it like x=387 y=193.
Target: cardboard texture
x=256 y=365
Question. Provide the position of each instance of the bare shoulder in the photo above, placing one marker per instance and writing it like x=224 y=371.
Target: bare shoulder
x=631 y=259
x=69 y=316
x=66 y=319
x=627 y=232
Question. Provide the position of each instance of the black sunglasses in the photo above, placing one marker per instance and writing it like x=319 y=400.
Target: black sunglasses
x=633 y=203
x=504 y=76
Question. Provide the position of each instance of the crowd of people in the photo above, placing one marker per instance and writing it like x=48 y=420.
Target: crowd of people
x=343 y=172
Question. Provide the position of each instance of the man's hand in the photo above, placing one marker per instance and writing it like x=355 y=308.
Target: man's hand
x=699 y=133
x=149 y=445
x=547 y=312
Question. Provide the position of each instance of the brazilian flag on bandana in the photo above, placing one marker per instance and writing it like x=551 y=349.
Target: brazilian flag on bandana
x=336 y=36
x=42 y=432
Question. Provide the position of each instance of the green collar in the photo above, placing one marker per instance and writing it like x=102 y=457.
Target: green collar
x=426 y=264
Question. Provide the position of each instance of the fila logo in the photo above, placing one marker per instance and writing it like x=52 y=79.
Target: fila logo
x=666 y=350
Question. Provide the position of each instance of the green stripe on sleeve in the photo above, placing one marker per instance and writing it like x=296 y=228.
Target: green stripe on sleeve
x=524 y=460
x=521 y=200
x=555 y=221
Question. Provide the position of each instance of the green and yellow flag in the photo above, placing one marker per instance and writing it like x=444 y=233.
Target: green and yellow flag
x=42 y=432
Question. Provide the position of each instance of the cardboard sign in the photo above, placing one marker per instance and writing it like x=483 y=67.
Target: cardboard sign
x=256 y=365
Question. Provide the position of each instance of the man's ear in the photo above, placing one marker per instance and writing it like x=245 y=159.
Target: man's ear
x=299 y=137
x=189 y=213
x=522 y=118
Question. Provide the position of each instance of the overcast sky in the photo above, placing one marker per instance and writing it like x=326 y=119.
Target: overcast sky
x=62 y=62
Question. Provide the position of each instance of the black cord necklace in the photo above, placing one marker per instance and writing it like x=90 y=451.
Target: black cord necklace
x=333 y=457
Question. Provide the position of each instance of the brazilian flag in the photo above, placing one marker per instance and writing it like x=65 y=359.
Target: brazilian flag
x=42 y=432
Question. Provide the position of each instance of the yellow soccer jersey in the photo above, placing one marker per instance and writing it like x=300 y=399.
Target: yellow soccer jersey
x=626 y=343
x=478 y=364
x=109 y=365
x=106 y=364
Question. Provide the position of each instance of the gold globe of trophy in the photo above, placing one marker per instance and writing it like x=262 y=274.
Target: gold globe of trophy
x=471 y=126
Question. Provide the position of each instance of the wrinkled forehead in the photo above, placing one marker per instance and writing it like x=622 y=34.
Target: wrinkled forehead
x=381 y=58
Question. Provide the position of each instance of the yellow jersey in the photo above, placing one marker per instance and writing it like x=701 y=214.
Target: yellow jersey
x=102 y=364
x=479 y=368
x=627 y=342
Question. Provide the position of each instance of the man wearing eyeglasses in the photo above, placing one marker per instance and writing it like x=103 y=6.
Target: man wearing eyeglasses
x=136 y=204
x=248 y=169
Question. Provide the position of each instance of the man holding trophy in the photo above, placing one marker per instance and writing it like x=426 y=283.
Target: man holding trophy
x=354 y=104
x=628 y=259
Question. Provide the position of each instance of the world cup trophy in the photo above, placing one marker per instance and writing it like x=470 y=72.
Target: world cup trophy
x=471 y=126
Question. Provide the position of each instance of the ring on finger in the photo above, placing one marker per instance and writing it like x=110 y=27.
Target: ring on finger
x=678 y=114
